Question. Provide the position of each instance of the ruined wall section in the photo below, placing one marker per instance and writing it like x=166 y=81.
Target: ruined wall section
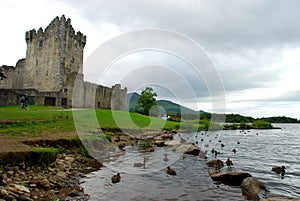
x=89 y=94
x=18 y=79
x=52 y=55
x=7 y=78
x=103 y=97
x=12 y=77
x=111 y=98
x=119 y=98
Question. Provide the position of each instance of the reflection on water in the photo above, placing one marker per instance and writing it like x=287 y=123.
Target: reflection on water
x=256 y=153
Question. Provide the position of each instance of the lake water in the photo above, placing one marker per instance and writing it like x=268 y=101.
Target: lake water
x=257 y=152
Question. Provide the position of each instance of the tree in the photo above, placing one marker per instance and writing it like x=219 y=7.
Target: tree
x=146 y=101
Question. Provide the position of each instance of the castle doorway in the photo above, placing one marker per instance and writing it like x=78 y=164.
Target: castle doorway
x=49 y=101
x=64 y=102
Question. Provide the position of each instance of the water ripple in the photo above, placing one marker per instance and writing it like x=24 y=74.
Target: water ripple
x=257 y=152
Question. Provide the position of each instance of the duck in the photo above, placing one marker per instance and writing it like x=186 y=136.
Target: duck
x=279 y=170
x=229 y=163
x=151 y=149
x=170 y=171
x=217 y=167
x=234 y=150
x=165 y=159
x=140 y=164
x=116 y=178
x=222 y=145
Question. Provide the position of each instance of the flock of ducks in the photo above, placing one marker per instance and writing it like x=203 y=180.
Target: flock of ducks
x=117 y=178
x=277 y=169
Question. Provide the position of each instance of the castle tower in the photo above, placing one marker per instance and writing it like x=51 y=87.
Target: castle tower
x=53 y=56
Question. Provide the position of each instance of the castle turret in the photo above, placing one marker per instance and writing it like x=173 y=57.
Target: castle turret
x=52 y=73
x=53 y=55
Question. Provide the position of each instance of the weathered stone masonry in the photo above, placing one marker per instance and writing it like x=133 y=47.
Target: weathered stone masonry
x=54 y=61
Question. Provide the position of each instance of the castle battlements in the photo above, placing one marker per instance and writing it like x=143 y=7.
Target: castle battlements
x=58 y=27
x=54 y=61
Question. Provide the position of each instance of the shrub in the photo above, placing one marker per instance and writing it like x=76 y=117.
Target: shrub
x=43 y=156
x=260 y=124
x=82 y=150
x=108 y=135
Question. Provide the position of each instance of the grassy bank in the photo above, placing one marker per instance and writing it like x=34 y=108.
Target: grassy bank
x=35 y=121
x=259 y=124
x=46 y=120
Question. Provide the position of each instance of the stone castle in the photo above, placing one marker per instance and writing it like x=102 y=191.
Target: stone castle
x=53 y=64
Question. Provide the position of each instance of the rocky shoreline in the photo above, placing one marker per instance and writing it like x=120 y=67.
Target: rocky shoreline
x=58 y=181
x=24 y=177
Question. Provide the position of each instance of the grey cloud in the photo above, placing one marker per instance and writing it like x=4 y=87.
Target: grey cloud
x=226 y=23
x=244 y=38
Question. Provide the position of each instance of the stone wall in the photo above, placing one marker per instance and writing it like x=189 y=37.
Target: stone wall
x=53 y=54
x=52 y=72
x=18 y=79
x=12 y=97
x=6 y=81
x=90 y=95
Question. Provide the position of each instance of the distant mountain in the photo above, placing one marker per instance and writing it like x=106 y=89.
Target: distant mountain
x=174 y=108
x=169 y=106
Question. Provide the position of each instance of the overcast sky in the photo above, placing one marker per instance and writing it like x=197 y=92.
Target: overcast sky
x=253 y=44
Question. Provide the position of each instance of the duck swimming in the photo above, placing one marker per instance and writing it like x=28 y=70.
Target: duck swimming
x=116 y=178
x=165 y=159
x=279 y=170
x=170 y=171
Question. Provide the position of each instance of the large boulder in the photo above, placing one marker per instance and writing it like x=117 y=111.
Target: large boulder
x=215 y=162
x=251 y=188
x=188 y=149
x=230 y=178
x=175 y=142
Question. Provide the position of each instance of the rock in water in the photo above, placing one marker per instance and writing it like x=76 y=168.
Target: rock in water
x=215 y=162
x=188 y=149
x=251 y=188
x=230 y=178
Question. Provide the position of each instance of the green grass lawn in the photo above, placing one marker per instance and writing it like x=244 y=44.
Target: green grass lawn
x=43 y=119
x=34 y=113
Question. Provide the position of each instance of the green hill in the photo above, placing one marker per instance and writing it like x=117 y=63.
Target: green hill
x=174 y=108
x=170 y=107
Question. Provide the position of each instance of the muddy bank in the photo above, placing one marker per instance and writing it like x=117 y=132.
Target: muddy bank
x=45 y=173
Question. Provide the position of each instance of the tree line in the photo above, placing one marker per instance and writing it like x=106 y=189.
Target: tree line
x=147 y=101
